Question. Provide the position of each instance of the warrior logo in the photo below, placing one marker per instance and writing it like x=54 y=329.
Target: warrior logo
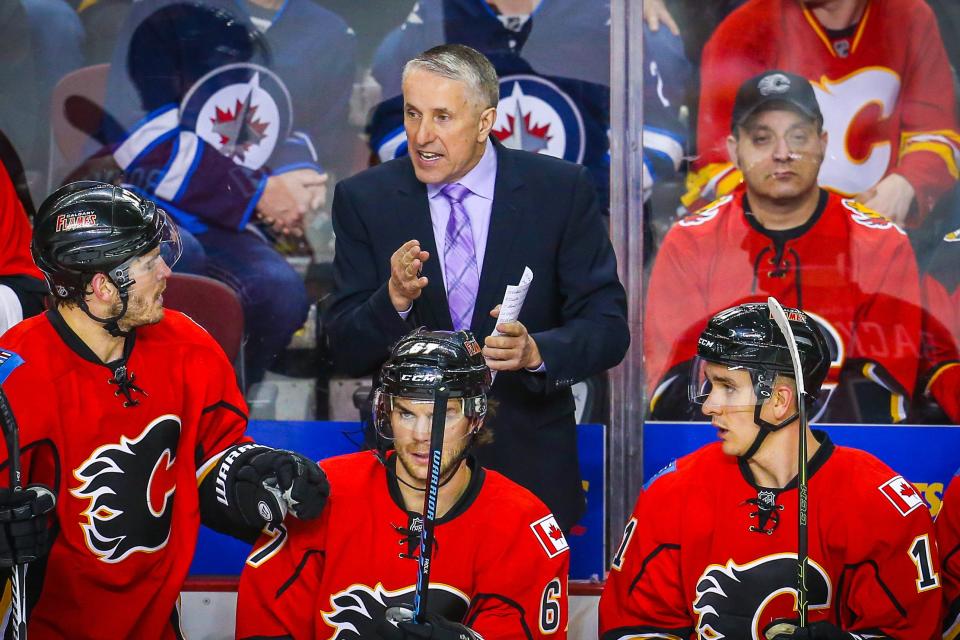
x=357 y=610
x=130 y=490
x=536 y=115
x=739 y=602
x=243 y=110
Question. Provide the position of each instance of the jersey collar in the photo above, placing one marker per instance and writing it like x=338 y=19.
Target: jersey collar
x=80 y=347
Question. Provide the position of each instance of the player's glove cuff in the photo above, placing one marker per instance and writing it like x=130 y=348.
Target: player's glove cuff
x=261 y=484
x=25 y=524
x=789 y=630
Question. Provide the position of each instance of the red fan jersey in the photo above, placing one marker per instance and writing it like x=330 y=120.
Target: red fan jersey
x=499 y=566
x=885 y=90
x=850 y=269
x=940 y=288
x=125 y=476
x=15 y=258
x=709 y=554
x=948 y=539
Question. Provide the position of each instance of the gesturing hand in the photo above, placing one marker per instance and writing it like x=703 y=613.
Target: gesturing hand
x=406 y=284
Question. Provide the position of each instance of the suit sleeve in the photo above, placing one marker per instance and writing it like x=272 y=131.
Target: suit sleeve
x=948 y=540
x=644 y=595
x=593 y=335
x=361 y=321
x=890 y=583
x=280 y=580
x=522 y=594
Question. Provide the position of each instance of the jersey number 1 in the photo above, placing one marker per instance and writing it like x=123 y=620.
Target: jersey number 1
x=920 y=554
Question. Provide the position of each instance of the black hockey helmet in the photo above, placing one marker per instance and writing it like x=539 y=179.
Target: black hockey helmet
x=421 y=361
x=746 y=337
x=87 y=227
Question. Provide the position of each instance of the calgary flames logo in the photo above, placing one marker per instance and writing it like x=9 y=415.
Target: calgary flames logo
x=867 y=217
x=130 y=489
x=739 y=602
x=358 y=609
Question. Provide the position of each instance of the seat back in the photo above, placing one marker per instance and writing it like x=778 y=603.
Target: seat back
x=211 y=304
x=76 y=113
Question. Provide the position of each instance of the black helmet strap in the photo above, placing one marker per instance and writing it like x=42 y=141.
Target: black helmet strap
x=120 y=277
x=763 y=387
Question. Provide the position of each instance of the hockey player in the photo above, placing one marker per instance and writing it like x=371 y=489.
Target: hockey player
x=132 y=415
x=499 y=568
x=948 y=540
x=851 y=269
x=884 y=84
x=711 y=549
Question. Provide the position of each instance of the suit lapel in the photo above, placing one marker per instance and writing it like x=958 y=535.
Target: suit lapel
x=413 y=207
x=500 y=239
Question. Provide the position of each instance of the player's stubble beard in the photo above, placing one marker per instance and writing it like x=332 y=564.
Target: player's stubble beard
x=449 y=463
x=140 y=311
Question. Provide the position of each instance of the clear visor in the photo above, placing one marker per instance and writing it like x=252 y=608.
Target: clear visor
x=397 y=417
x=721 y=388
x=166 y=253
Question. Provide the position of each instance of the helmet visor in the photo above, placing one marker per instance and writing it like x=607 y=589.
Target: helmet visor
x=171 y=247
x=722 y=388
x=411 y=419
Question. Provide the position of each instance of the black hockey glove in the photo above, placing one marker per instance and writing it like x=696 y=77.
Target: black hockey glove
x=813 y=631
x=436 y=628
x=24 y=524
x=262 y=484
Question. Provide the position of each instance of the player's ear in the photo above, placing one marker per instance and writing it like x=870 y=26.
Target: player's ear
x=732 y=150
x=102 y=288
x=784 y=397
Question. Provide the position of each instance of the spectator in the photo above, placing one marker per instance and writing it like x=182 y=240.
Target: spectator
x=851 y=269
x=940 y=367
x=216 y=115
x=884 y=85
x=21 y=284
x=462 y=203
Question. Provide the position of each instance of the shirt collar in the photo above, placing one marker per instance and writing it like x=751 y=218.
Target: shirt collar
x=480 y=180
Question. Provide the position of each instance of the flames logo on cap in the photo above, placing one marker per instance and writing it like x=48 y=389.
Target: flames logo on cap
x=775 y=83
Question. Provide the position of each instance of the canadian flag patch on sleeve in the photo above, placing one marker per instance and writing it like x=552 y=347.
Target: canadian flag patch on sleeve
x=550 y=536
x=901 y=494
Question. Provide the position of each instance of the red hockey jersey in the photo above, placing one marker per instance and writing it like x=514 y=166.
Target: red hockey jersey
x=886 y=93
x=948 y=539
x=848 y=268
x=940 y=288
x=690 y=567
x=125 y=477
x=15 y=258
x=499 y=567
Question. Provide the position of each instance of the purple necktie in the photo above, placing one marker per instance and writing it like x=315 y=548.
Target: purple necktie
x=460 y=259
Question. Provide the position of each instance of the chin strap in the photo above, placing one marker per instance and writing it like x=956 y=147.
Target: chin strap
x=762 y=387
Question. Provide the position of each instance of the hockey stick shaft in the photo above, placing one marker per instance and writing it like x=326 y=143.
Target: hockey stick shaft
x=18 y=596
x=421 y=596
x=778 y=315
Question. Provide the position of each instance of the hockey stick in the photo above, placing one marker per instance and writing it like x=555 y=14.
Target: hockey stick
x=18 y=595
x=776 y=312
x=441 y=395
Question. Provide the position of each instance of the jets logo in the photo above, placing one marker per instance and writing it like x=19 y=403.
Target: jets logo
x=357 y=610
x=129 y=488
x=243 y=110
x=868 y=217
x=536 y=115
x=738 y=602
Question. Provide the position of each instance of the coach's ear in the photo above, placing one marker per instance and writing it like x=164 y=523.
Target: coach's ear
x=732 y=150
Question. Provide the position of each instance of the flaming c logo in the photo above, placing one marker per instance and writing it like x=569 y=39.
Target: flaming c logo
x=130 y=487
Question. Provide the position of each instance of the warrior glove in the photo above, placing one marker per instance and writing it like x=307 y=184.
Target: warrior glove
x=24 y=524
x=813 y=631
x=262 y=484
x=435 y=628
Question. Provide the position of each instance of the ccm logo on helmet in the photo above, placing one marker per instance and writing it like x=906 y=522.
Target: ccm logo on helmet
x=71 y=221
x=420 y=377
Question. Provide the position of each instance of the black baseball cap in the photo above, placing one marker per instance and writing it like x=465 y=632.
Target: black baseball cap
x=775 y=86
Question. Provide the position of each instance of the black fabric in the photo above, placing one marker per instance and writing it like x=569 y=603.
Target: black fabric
x=25 y=532
x=435 y=628
x=29 y=291
x=813 y=631
x=545 y=215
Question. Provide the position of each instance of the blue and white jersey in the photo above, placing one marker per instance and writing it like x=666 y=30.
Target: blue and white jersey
x=202 y=106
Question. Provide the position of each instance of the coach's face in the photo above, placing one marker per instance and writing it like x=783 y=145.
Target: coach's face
x=446 y=127
x=779 y=153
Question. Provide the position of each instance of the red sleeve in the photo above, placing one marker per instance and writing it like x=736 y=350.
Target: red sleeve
x=15 y=258
x=644 y=596
x=891 y=582
x=281 y=579
x=523 y=591
x=948 y=540
x=929 y=139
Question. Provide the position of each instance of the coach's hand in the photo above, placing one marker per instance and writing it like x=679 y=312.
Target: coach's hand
x=813 y=631
x=406 y=284
x=513 y=349
x=264 y=483
x=24 y=524
x=435 y=628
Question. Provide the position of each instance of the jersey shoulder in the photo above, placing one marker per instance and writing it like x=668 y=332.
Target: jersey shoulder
x=35 y=343
x=512 y=512
x=710 y=216
x=177 y=330
x=884 y=495
x=704 y=463
x=864 y=222
x=351 y=473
